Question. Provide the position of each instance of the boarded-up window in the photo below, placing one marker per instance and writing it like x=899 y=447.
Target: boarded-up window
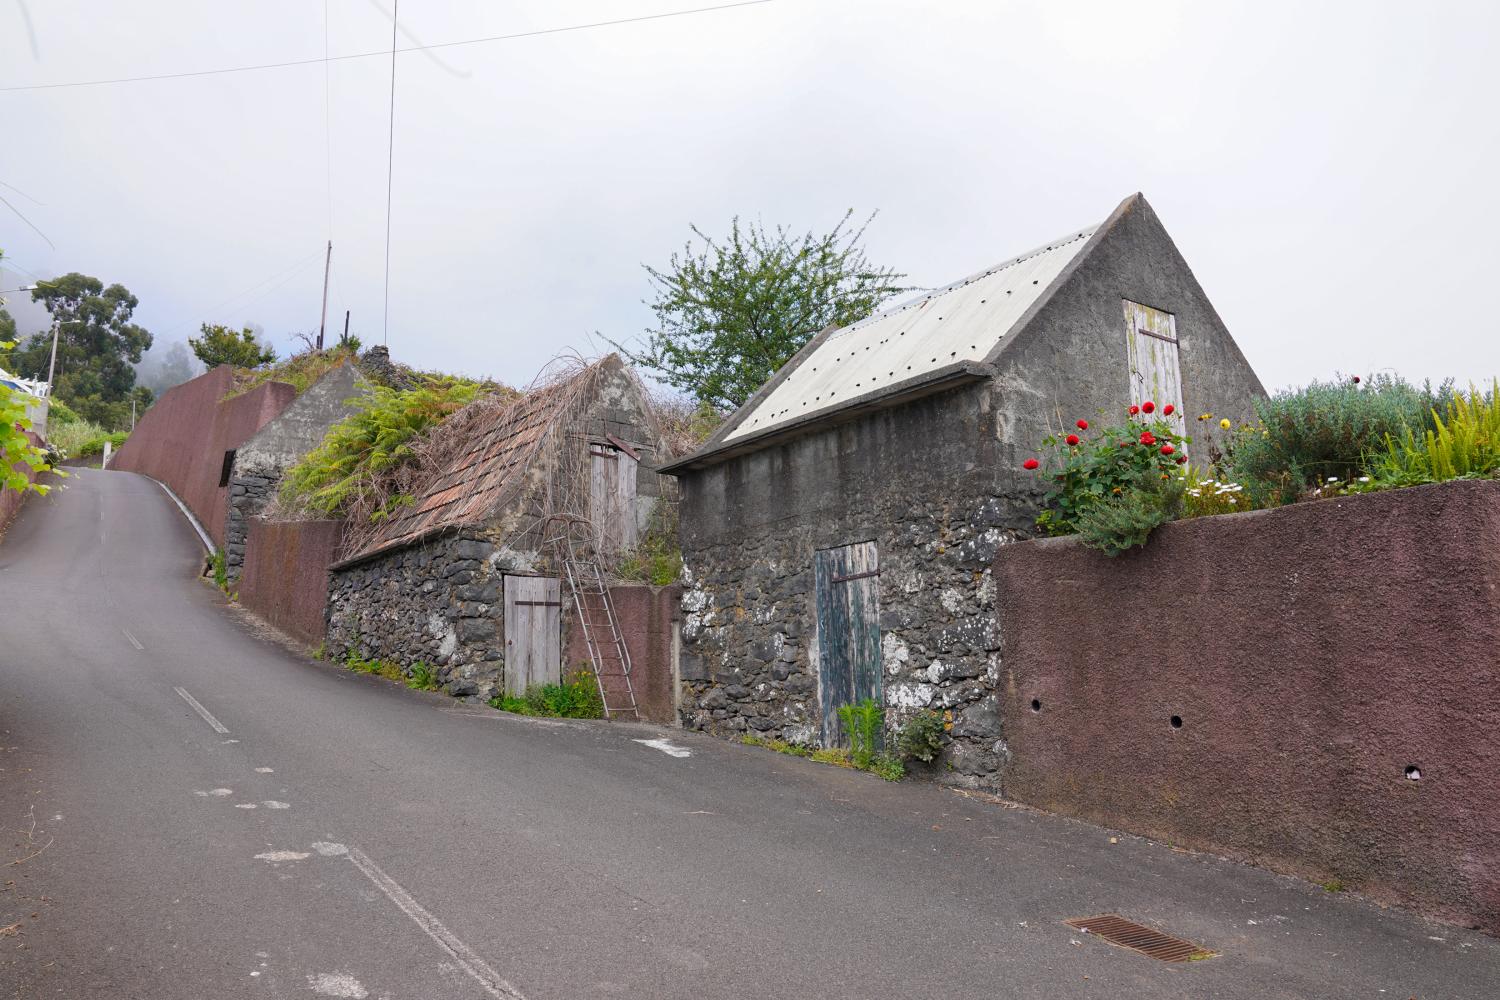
x=226 y=469
x=1155 y=368
x=533 y=632
x=848 y=600
x=612 y=497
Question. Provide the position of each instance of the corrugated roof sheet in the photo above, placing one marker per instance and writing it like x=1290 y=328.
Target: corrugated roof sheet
x=962 y=322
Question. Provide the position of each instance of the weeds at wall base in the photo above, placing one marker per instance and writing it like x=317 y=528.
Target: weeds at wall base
x=419 y=676
x=884 y=765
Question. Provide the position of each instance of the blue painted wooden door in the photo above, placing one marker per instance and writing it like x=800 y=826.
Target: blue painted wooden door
x=848 y=603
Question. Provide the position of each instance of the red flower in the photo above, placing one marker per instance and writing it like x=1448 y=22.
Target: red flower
x=1167 y=449
x=1356 y=380
x=1147 y=438
x=1083 y=425
x=1030 y=464
x=1072 y=439
x=1181 y=459
x=1134 y=410
x=1166 y=411
x=1147 y=406
x=1124 y=444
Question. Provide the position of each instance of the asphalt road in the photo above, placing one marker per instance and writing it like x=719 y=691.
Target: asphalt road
x=332 y=834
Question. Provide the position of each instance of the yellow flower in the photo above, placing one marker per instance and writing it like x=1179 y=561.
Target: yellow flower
x=1224 y=423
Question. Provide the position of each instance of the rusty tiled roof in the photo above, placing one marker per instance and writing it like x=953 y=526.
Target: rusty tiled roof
x=476 y=480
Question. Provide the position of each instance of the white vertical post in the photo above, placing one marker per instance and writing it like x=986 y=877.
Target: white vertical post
x=105 y=463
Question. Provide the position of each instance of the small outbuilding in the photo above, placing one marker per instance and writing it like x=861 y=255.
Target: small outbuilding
x=838 y=531
x=529 y=500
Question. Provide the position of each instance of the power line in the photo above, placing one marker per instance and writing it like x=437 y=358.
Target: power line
x=366 y=55
x=390 y=167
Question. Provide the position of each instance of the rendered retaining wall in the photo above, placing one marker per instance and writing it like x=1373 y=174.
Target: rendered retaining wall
x=285 y=576
x=10 y=500
x=1316 y=659
x=181 y=440
x=646 y=615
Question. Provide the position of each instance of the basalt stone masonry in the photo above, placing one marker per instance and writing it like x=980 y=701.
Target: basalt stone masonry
x=839 y=531
x=439 y=603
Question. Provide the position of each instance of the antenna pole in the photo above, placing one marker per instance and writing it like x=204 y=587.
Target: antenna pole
x=323 y=320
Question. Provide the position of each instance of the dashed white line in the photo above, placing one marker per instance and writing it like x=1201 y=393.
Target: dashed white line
x=207 y=716
x=133 y=640
x=467 y=959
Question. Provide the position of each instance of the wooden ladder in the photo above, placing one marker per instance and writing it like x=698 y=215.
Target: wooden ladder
x=600 y=624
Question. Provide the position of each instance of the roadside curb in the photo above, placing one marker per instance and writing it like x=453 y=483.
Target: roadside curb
x=208 y=543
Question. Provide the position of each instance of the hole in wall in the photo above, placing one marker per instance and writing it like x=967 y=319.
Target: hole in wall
x=1176 y=722
x=1036 y=704
x=1413 y=772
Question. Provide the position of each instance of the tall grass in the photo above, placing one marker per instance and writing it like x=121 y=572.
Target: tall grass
x=1463 y=443
x=81 y=438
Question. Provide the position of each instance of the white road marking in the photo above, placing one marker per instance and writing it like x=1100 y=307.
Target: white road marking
x=218 y=793
x=264 y=770
x=207 y=716
x=667 y=747
x=244 y=805
x=274 y=856
x=273 y=804
x=133 y=640
x=337 y=984
x=329 y=850
x=208 y=543
x=467 y=959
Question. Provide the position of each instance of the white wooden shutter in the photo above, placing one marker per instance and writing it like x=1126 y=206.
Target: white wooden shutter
x=1155 y=368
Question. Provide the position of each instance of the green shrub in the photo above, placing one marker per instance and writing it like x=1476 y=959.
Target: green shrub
x=1113 y=487
x=921 y=738
x=79 y=438
x=657 y=557
x=420 y=677
x=377 y=437
x=59 y=412
x=220 y=569
x=1464 y=443
x=575 y=698
x=1328 y=431
x=864 y=724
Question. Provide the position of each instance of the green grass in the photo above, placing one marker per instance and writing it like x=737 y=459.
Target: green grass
x=575 y=698
x=884 y=765
x=80 y=438
x=419 y=676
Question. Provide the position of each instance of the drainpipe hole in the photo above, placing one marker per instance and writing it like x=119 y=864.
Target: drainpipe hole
x=1036 y=704
x=1176 y=722
x=1413 y=772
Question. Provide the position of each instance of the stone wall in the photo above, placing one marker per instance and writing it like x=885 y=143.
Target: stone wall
x=248 y=496
x=439 y=602
x=751 y=527
x=1315 y=689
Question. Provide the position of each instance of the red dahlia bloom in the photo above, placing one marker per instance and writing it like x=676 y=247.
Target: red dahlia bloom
x=1181 y=459
x=1166 y=411
x=1072 y=439
x=1030 y=463
x=1083 y=425
x=1147 y=406
x=1147 y=438
x=1167 y=449
x=1134 y=410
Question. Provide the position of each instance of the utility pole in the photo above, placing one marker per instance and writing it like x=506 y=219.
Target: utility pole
x=52 y=365
x=346 y=327
x=323 y=320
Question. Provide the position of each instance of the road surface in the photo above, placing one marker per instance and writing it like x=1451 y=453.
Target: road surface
x=189 y=810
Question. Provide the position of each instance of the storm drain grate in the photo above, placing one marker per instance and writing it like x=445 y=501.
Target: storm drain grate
x=1128 y=934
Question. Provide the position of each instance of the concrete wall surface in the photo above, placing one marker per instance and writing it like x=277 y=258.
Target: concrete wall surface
x=1315 y=689
x=285 y=574
x=645 y=615
x=182 y=438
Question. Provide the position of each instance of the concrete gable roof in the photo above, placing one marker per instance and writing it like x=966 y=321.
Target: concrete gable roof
x=945 y=338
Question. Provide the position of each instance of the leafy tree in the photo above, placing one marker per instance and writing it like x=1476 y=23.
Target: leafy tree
x=731 y=313
x=220 y=345
x=96 y=347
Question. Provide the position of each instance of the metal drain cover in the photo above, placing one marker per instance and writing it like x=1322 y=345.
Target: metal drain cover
x=1128 y=934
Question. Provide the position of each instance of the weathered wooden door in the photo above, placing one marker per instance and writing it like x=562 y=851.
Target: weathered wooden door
x=612 y=497
x=1155 y=366
x=848 y=604
x=533 y=632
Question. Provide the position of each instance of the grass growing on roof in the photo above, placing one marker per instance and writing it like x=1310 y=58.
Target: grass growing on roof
x=299 y=371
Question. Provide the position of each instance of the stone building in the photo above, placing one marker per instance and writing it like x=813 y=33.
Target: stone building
x=838 y=531
x=467 y=577
x=253 y=471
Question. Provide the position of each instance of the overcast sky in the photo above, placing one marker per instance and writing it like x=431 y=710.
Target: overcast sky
x=1328 y=170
